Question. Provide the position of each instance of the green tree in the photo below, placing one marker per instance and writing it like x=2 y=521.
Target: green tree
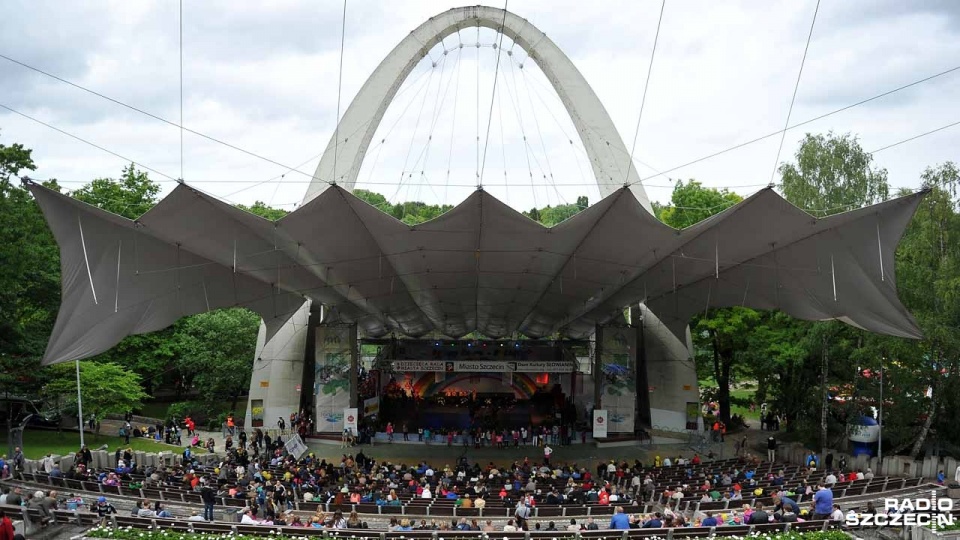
x=720 y=335
x=554 y=215
x=107 y=388
x=372 y=198
x=261 y=209
x=130 y=196
x=833 y=174
x=151 y=356
x=691 y=203
x=215 y=352
x=29 y=277
x=924 y=375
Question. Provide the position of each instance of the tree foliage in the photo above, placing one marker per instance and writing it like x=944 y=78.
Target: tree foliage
x=692 y=203
x=261 y=209
x=29 y=276
x=832 y=174
x=718 y=335
x=215 y=352
x=129 y=196
x=107 y=388
x=410 y=212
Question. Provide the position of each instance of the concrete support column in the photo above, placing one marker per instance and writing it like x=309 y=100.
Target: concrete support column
x=277 y=372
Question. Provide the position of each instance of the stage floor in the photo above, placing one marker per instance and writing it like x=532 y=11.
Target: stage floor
x=459 y=418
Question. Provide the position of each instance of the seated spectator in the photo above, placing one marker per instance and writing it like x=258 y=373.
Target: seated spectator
x=758 y=516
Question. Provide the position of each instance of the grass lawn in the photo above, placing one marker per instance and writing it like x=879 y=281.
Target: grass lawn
x=36 y=443
x=745 y=391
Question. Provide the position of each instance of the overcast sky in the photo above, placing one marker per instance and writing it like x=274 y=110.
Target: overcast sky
x=264 y=78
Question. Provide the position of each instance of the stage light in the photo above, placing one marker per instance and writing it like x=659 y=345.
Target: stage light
x=469 y=344
x=436 y=344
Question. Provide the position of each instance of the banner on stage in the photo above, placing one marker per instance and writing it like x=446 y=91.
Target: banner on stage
x=295 y=446
x=477 y=366
x=371 y=406
x=350 y=415
x=331 y=387
x=618 y=396
x=599 y=424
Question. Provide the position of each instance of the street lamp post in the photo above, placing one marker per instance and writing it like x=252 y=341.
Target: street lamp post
x=880 y=422
x=79 y=404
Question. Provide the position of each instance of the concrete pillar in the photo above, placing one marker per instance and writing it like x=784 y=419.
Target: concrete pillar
x=278 y=371
x=670 y=372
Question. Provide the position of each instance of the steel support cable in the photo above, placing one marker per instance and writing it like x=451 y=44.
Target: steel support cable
x=580 y=148
x=478 y=106
x=422 y=86
x=336 y=130
x=543 y=145
x=438 y=102
x=453 y=120
x=514 y=100
x=526 y=143
x=155 y=117
x=417 y=80
x=796 y=87
x=915 y=137
x=563 y=130
x=503 y=143
x=364 y=124
x=412 y=138
x=805 y=122
x=493 y=95
x=181 y=88
x=85 y=141
x=646 y=85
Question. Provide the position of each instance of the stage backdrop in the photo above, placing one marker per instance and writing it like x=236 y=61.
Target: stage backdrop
x=618 y=396
x=331 y=385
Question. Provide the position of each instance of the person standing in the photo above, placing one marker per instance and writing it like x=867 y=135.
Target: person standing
x=209 y=498
x=406 y=431
x=389 y=431
x=822 y=503
x=281 y=424
x=547 y=452
x=771 y=449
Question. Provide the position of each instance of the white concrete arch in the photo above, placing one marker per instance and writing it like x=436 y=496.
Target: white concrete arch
x=608 y=155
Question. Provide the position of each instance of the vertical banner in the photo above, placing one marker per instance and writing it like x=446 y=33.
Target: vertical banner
x=599 y=424
x=350 y=419
x=331 y=387
x=618 y=376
